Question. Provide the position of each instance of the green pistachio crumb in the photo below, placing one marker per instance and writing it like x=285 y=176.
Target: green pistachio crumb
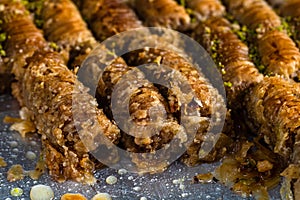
x=189 y=11
x=223 y=71
x=228 y=84
x=2 y=52
x=182 y=2
x=207 y=30
x=261 y=68
x=2 y=37
x=53 y=45
x=39 y=22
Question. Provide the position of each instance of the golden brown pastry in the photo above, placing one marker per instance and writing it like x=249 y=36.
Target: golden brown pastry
x=273 y=105
x=205 y=9
x=45 y=87
x=109 y=17
x=254 y=14
x=64 y=26
x=22 y=43
x=164 y=13
x=290 y=9
x=277 y=50
x=231 y=56
x=279 y=54
x=204 y=101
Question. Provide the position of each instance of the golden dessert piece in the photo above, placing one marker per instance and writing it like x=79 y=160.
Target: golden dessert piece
x=205 y=96
x=205 y=9
x=278 y=52
x=109 y=17
x=231 y=56
x=45 y=87
x=163 y=13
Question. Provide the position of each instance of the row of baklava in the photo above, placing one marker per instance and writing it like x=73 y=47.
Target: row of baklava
x=269 y=104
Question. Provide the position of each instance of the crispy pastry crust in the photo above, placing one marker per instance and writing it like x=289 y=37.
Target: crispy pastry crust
x=205 y=101
x=277 y=50
x=63 y=25
x=164 y=13
x=273 y=106
x=291 y=8
x=45 y=87
x=231 y=56
x=109 y=17
x=254 y=13
x=205 y=9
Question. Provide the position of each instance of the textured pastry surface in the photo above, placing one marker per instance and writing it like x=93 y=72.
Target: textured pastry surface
x=253 y=49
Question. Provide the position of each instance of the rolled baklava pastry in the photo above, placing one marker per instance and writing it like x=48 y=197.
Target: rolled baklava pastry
x=290 y=10
x=205 y=9
x=163 y=13
x=231 y=56
x=278 y=52
x=109 y=17
x=273 y=106
x=45 y=87
x=207 y=101
x=64 y=26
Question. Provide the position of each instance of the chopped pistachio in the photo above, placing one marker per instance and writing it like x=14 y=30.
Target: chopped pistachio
x=244 y=28
x=241 y=35
x=53 y=45
x=228 y=84
x=2 y=52
x=24 y=2
x=207 y=30
x=261 y=68
x=182 y=2
x=189 y=11
x=223 y=71
x=193 y=20
x=39 y=22
x=2 y=37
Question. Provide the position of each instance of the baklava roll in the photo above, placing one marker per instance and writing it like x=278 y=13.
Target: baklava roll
x=205 y=9
x=49 y=88
x=154 y=126
x=63 y=25
x=22 y=41
x=142 y=112
x=231 y=56
x=46 y=87
x=206 y=100
x=255 y=14
x=274 y=105
x=109 y=17
x=291 y=10
x=278 y=52
x=163 y=13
